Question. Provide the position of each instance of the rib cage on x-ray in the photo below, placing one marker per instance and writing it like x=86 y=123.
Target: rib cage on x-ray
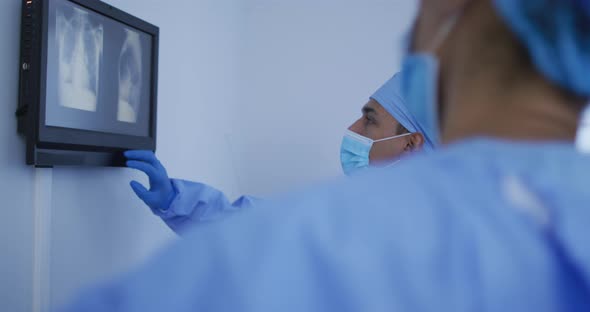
x=130 y=77
x=80 y=47
x=99 y=72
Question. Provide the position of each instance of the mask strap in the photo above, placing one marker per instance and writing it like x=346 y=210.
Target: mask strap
x=447 y=27
x=444 y=32
x=393 y=163
x=393 y=137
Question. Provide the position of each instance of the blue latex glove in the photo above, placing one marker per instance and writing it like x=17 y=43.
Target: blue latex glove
x=161 y=192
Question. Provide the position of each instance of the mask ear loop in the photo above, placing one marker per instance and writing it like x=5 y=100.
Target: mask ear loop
x=391 y=138
x=392 y=164
x=448 y=26
x=444 y=32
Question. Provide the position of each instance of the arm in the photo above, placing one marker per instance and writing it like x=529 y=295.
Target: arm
x=196 y=203
x=181 y=204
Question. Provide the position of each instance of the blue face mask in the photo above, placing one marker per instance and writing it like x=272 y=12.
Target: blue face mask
x=355 y=150
x=419 y=83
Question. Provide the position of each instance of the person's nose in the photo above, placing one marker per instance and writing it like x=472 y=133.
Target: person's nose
x=357 y=126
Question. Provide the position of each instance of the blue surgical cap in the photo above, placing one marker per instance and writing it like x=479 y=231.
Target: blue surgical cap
x=556 y=34
x=389 y=96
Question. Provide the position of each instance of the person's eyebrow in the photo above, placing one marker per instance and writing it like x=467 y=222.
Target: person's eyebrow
x=369 y=110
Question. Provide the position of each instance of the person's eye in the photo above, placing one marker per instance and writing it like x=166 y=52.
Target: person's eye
x=369 y=120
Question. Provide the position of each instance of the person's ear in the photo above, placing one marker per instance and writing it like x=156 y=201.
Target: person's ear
x=415 y=142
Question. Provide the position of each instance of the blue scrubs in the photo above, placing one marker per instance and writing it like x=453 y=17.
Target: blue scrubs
x=482 y=225
x=197 y=203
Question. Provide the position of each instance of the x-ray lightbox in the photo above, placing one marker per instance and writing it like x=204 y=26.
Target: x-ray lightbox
x=88 y=83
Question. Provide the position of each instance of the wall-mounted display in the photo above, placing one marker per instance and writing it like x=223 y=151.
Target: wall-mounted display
x=88 y=85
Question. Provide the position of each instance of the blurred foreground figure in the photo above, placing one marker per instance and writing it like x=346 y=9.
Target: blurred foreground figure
x=495 y=221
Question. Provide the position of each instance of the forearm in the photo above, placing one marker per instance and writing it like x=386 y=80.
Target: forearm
x=196 y=203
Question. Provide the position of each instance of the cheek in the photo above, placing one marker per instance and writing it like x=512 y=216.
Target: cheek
x=385 y=151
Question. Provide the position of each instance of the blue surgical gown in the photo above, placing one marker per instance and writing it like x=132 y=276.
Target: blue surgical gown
x=197 y=203
x=482 y=225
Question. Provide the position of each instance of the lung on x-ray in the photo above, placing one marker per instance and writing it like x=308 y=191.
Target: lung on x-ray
x=80 y=46
x=130 y=77
x=99 y=72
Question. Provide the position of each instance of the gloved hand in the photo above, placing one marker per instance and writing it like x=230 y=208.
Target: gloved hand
x=161 y=193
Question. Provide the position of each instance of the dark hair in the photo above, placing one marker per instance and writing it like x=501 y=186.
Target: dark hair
x=401 y=129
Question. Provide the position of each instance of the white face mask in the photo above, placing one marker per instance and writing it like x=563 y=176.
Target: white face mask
x=355 y=150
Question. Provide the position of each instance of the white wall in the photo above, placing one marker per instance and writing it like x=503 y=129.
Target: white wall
x=100 y=227
x=93 y=226
x=248 y=89
x=307 y=69
x=16 y=180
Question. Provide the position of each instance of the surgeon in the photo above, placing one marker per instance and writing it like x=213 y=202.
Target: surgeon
x=385 y=133
x=495 y=220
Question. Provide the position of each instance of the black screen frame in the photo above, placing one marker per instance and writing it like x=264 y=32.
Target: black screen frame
x=86 y=147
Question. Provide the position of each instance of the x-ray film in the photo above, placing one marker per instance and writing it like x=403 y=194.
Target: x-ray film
x=80 y=45
x=98 y=72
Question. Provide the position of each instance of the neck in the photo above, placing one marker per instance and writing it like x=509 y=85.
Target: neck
x=531 y=110
x=494 y=90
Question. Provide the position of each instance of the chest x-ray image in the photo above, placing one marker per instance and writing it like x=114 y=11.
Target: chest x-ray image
x=130 y=78
x=80 y=49
x=99 y=72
